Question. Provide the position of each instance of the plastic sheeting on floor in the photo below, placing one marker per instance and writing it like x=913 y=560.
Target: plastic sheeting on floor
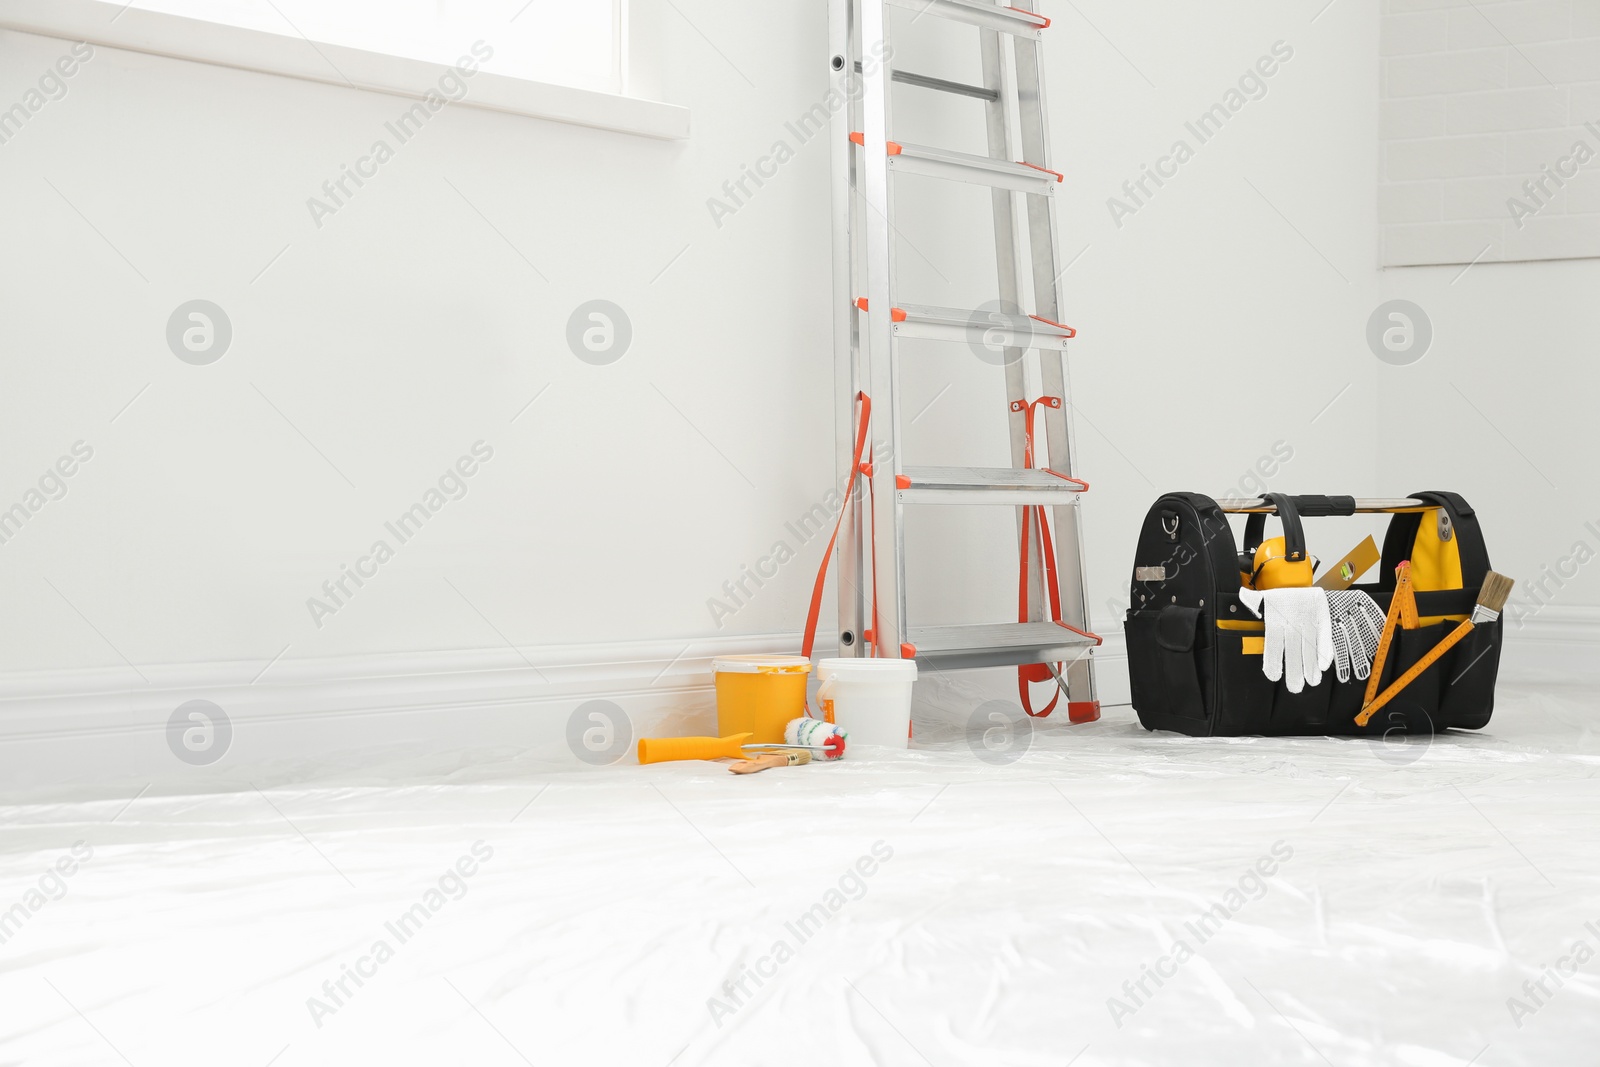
x=1111 y=897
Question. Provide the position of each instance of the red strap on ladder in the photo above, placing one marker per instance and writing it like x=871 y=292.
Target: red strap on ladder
x=1036 y=525
x=856 y=468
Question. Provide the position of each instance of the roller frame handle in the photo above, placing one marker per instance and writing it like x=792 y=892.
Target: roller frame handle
x=668 y=749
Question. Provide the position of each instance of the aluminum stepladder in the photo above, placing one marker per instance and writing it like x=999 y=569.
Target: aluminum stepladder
x=871 y=320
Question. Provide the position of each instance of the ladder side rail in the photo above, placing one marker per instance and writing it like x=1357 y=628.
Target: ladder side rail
x=1042 y=241
x=859 y=215
x=997 y=119
x=846 y=357
x=888 y=551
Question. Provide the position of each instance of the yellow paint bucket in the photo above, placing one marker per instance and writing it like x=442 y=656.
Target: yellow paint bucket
x=758 y=695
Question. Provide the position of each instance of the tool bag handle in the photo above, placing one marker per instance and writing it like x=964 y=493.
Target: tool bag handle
x=1402 y=534
x=1294 y=535
x=1316 y=506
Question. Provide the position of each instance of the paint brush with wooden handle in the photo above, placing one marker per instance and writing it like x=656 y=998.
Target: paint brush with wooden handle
x=794 y=757
x=1491 y=601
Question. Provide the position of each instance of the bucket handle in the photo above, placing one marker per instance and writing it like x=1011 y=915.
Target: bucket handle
x=824 y=697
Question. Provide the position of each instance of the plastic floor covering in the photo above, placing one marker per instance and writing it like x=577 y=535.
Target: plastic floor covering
x=1111 y=897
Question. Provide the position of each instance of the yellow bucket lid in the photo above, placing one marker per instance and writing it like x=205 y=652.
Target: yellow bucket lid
x=761 y=664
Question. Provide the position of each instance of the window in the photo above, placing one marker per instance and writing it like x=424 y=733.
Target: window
x=566 y=42
x=560 y=60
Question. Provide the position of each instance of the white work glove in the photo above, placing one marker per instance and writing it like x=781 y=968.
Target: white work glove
x=1299 y=640
x=1357 y=628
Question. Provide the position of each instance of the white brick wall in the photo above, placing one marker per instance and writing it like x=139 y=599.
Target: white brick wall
x=1488 y=105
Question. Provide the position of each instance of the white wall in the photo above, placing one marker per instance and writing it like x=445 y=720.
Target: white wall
x=1501 y=409
x=393 y=337
x=1490 y=132
x=1222 y=316
x=1479 y=99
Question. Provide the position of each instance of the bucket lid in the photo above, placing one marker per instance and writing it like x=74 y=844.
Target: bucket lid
x=761 y=664
x=868 y=670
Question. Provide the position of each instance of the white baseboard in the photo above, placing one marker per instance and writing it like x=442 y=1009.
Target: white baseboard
x=40 y=704
x=1111 y=666
x=1556 y=645
x=107 y=727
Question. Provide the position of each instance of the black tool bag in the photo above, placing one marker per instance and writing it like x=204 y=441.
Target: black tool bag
x=1195 y=652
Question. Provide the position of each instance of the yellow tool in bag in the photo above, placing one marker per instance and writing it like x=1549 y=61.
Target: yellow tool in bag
x=1274 y=568
x=1277 y=562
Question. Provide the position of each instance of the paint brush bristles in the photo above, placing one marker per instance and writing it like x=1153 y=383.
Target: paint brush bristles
x=1492 y=597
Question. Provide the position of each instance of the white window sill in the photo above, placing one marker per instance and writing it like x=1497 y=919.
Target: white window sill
x=109 y=25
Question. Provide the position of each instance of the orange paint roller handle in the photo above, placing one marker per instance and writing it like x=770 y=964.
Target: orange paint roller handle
x=666 y=749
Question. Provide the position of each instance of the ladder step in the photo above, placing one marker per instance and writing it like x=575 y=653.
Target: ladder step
x=1006 y=486
x=944 y=85
x=975 y=170
x=977 y=13
x=998 y=644
x=988 y=329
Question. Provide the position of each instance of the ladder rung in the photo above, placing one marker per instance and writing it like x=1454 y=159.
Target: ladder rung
x=988 y=329
x=976 y=170
x=926 y=81
x=987 y=485
x=998 y=644
x=977 y=13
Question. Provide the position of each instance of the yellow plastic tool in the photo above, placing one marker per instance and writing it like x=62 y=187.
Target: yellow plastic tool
x=666 y=749
x=1275 y=570
x=1355 y=563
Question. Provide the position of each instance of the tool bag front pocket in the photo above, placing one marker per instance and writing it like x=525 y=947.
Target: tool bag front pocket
x=1305 y=712
x=1416 y=709
x=1245 y=694
x=1164 y=661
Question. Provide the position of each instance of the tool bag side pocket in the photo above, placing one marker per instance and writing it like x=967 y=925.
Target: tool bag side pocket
x=1468 y=698
x=1164 y=653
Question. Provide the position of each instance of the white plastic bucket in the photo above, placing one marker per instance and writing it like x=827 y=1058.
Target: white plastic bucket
x=870 y=699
